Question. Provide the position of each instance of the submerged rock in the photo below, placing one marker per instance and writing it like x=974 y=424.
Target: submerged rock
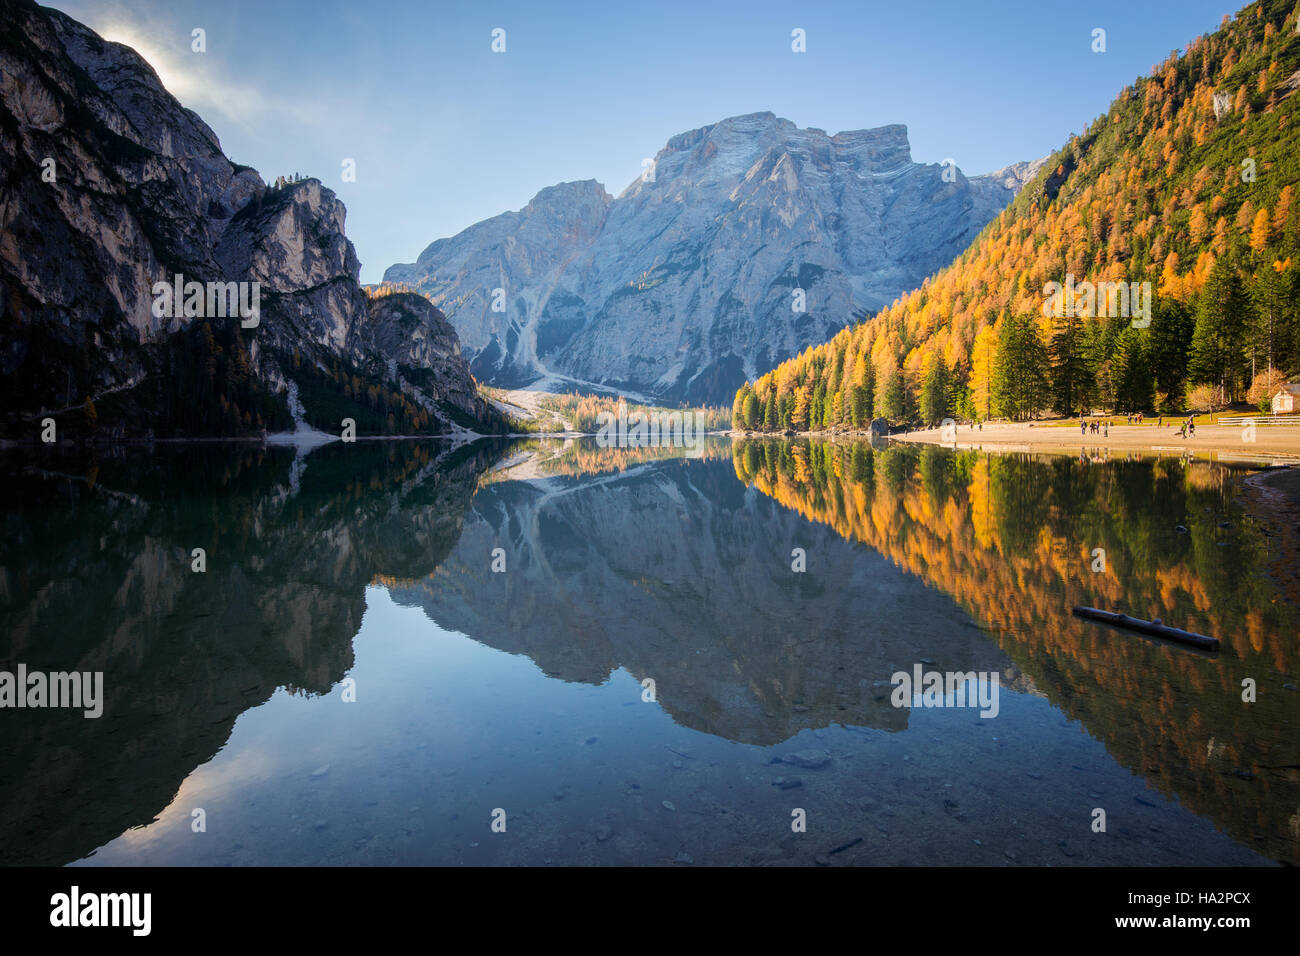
x=809 y=759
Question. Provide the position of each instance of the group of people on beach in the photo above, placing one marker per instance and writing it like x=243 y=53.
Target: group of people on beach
x=1187 y=430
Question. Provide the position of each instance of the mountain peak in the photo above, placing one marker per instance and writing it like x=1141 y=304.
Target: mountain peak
x=737 y=140
x=681 y=286
x=580 y=189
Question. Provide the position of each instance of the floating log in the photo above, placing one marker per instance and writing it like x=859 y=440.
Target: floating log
x=1154 y=628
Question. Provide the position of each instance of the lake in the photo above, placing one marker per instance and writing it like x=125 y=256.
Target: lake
x=543 y=652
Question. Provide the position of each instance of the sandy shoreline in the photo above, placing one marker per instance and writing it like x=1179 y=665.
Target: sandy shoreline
x=1232 y=441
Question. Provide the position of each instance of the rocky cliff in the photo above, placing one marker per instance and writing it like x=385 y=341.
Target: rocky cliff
x=108 y=186
x=423 y=349
x=746 y=242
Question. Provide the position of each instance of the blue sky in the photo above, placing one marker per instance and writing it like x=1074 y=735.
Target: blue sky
x=445 y=132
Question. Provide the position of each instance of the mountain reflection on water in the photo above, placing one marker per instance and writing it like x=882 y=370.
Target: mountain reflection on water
x=524 y=688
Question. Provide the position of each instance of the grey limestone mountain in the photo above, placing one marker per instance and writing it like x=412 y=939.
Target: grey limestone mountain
x=689 y=282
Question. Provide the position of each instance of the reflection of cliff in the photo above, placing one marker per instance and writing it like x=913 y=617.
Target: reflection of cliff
x=676 y=573
x=95 y=576
x=1012 y=539
x=541 y=458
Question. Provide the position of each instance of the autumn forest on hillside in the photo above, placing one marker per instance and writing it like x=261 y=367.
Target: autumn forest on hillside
x=1187 y=184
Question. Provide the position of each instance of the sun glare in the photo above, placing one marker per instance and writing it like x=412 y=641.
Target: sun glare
x=170 y=78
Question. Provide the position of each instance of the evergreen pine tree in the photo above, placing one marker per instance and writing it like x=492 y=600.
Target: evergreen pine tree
x=1020 y=387
x=1171 y=338
x=896 y=403
x=934 y=392
x=1131 y=372
x=1070 y=373
x=1218 y=340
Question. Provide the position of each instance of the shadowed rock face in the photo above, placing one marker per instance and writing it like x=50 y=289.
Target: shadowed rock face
x=110 y=186
x=95 y=575
x=140 y=187
x=682 y=287
x=417 y=338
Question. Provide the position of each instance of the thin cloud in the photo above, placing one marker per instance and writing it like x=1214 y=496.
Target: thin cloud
x=202 y=83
